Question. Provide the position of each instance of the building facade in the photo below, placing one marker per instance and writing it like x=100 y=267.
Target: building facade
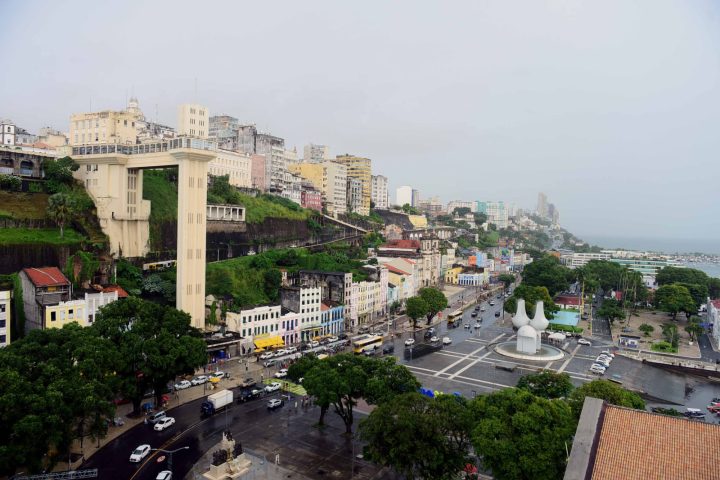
x=359 y=168
x=379 y=193
x=313 y=153
x=495 y=211
x=5 y=317
x=257 y=172
x=107 y=126
x=7 y=133
x=335 y=187
x=193 y=120
x=404 y=195
x=354 y=196
x=42 y=288
x=237 y=166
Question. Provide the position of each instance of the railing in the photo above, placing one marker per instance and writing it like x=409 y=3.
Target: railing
x=144 y=148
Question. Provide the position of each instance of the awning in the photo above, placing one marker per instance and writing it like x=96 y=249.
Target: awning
x=269 y=342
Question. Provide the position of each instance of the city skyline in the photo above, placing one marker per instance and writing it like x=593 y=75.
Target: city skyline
x=609 y=123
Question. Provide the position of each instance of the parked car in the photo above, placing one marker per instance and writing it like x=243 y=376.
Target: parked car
x=291 y=349
x=466 y=325
x=447 y=340
x=482 y=309
x=164 y=423
x=182 y=385
x=694 y=413
x=608 y=353
x=333 y=338
x=199 y=380
x=582 y=341
x=247 y=395
x=388 y=348
x=272 y=387
x=492 y=304
x=247 y=383
x=164 y=475
x=139 y=453
x=497 y=314
x=473 y=314
x=274 y=403
x=599 y=369
x=156 y=417
x=266 y=355
x=282 y=373
x=269 y=363
x=434 y=339
x=409 y=342
x=314 y=344
x=280 y=353
x=218 y=374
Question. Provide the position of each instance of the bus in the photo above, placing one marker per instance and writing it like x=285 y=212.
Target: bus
x=454 y=315
x=362 y=343
x=156 y=266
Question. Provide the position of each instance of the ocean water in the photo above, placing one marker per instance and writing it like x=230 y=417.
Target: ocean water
x=656 y=244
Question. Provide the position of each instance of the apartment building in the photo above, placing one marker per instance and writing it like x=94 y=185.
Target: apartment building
x=360 y=169
x=42 y=288
x=354 y=196
x=379 y=192
x=193 y=120
x=237 y=166
x=261 y=327
x=335 y=187
x=107 y=126
x=404 y=196
x=5 y=316
x=495 y=211
x=313 y=153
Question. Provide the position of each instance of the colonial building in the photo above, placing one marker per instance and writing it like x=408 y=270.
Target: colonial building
x=425 y=252
x=43 y=288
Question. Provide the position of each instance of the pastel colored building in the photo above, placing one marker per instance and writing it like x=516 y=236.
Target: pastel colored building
x=5 y=317
x=57 y=316
x=42 y=288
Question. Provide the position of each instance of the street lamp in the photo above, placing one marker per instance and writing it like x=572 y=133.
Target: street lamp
x=170 y=455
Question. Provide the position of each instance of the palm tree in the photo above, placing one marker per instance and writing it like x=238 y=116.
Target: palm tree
x=59 y=209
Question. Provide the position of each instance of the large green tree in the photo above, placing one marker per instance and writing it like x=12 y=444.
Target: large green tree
x=507 y=279
x=436 y=301
x=549 y=273
x=59 y=173
x=531 y=295
x=699 y=292
x=155 y=344
x=714 y=288
x=604 y=390
x=60 y=209
x=520 y=436
x=669 y=275
x=674 y=299
x=418 y=436
x=546 y=384
x=416 y=307
x=341 y=380
x=611 y=309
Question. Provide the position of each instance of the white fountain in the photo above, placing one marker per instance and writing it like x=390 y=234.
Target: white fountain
x=528 y=345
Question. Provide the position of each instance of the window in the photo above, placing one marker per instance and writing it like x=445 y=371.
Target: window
x=52 y=316
x=2 y=323
x=3 y=339
x=125 y=123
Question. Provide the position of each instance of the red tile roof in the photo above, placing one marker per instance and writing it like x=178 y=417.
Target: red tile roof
x=46 y=277
x=116 y=288
x=567 y=300
x=414 y=244
x=395 y=270
x=637 y=445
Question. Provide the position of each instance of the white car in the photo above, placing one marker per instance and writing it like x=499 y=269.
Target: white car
x=164 y=475
x=219 y=375
x=409 y=342
x=492 y=304
x=272 y=387
x=282 y=373
x=607 y=353
x=332 y=339
x=164 y=423
x=266 y=355
x=139 y=453
x=314 y=344
x=597 y=369
x=447 y=340
x=482 y=309
x=183 y=385
x=582 y=341
x=434 y=339
x=274 y=403
x=280 y=353
x=291 y=349
x=199 y=380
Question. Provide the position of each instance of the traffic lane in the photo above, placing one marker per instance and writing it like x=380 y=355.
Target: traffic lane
x=206 y=435
x=706 y=350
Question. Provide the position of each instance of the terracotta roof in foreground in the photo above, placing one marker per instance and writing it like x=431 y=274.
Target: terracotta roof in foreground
x=637 y=445
x=46 y=277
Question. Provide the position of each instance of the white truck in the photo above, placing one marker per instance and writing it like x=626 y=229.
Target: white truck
x=216 y=402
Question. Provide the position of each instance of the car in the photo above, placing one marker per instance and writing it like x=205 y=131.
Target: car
x=199 y=380
x=598 y=370
x=291 y=349
x=482 y=309
x=282 y=373
x=218 y=374
x=274 y=403
x=333 y=338
x=498 y=296
x=369 y=352
x=182 y=385
x=473 y=314
x=164 y=475
x=466 y=325
x=269 y=363
x=139 y=453
x=497 y=314
x=272 y=387
x=314 y=343
x=410 y=342
x=447 y=340
x=164 y=423
x=156 y=417
x=247 y=383
x=582 y=341
x=606 y=352
x=605 y=358
x=280 y=353
x=266 y=355
x=388 y=348
x=434 y=339
x=246 y=395
x=492 y=304
x=477 y=308
x=603 y=362
x=478 y=325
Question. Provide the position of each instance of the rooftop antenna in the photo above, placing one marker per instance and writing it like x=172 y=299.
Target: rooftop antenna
x=196 y=90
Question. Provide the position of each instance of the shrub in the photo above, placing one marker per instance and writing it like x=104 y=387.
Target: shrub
x=663 y=347
x=10 y=182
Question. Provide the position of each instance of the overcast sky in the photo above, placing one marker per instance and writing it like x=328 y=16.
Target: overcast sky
x=612 y=108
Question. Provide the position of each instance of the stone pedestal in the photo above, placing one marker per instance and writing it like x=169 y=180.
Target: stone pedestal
x=236 y=468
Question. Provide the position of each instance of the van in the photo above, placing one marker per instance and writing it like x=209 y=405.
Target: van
x=156 y=417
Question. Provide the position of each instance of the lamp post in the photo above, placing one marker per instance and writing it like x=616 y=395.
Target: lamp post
x=170 y=455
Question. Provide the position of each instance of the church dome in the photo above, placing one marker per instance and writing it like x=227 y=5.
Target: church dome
x=539 y=322
x=520 y=317
x=526 y=331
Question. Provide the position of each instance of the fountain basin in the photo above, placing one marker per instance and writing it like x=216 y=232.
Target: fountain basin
x=546 y=353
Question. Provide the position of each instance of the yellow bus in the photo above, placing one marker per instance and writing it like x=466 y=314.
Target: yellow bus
x=456 y=314
x=365 y=342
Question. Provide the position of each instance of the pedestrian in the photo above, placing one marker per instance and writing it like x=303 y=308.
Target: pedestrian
x=296 y=406
x=246 y=366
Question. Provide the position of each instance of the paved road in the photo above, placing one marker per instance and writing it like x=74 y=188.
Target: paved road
x=706 y=351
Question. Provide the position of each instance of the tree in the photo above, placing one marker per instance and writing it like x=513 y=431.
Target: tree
x=673 y=299
x=604 y=390
x=714 y=288
x=507 y=279
x=547 y=272
x=418 y=436
x=60 y=209
x=341 y=380
x=646 y=329
x=698 y=292
x=670 y=332
x=59 y=173
x=416 y=307
x=520 y=436
x=461 y=211
x=212 y=319
x=694 y=329
x=669 y=275
x=436 y=301
x=531 y=295
x=480 y=218
x=273 y=280
x=546 y=384
x=611 y=309
x=154 y=343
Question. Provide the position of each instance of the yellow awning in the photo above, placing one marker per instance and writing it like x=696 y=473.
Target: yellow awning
x=269 y=342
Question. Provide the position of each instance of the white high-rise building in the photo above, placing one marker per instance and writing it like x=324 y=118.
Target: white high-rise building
x=404 y=195
x=335 y=187
x=316 y=153
x=379 y=192
x=193 y=120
